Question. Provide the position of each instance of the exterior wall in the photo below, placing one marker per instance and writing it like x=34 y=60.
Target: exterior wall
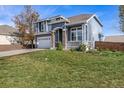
x=7 y=40
x=94 y=28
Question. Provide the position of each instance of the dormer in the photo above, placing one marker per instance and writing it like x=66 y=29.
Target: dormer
x=57 y=19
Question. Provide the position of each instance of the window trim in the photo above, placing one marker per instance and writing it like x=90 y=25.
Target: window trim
x=71 y=35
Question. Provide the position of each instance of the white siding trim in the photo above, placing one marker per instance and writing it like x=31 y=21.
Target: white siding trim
x=46 y=27
x=38 y=26
x=96 y=18
x=82 y=33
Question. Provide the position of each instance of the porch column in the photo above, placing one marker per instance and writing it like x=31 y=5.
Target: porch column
x=52 y=40
x=64 y=38
x=82 y=33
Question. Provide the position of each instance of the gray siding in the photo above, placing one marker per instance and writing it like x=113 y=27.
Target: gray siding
x=57 y=25
x=94 y=28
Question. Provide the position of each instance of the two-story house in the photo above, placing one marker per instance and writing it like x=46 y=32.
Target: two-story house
x=71 y=32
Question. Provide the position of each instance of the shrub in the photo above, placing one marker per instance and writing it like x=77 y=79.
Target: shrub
x=93 y=51
x=99 y=49
x=82 y=48
x=59 y=46
x=72 y=49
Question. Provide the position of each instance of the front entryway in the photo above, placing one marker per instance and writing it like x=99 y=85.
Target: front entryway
x=58 y=36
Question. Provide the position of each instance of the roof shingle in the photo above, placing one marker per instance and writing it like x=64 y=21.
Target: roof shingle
x=79 y=18
x=119 y=38
x=7 y=30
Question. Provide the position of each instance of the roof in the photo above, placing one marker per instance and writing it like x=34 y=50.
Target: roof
x=53 y=17
x=7 y=30
x=119 y=38
x=82 y=18
x=78 y=19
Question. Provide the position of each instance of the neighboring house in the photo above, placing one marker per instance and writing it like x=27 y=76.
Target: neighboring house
x=7 y=36
x=72 y=31
x=117 y=38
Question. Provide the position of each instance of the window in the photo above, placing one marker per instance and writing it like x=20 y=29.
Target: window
x=42 y=27
x=73 y=35
x=76 y=34
x=57 y=19
x=79 y=35
x=48 y=21
x=35 y=27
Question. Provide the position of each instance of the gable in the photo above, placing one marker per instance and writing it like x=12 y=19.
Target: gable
x=96 y=19
x=82 y=18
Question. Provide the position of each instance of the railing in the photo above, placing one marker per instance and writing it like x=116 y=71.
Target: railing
x=75 y=44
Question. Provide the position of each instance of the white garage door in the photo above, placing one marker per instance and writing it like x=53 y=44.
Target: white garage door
x=44 y=42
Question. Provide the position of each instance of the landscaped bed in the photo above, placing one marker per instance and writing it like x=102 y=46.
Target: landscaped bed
x=51 y=68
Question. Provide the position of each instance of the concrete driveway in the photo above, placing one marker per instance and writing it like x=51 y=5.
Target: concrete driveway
x=16 y=52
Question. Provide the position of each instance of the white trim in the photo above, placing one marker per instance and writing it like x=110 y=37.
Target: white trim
x=96 y=18
x=90 y=18
x=86 y=26
x=82 y=33
x=76 y=33
x=64 y=18
x=46 y=27
x=56 y=28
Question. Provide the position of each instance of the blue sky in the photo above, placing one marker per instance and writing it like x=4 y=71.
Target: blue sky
x=107 y=14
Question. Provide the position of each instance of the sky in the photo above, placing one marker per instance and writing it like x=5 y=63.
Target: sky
x=107 y=14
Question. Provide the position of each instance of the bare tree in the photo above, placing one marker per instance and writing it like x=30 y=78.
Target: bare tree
x=121 y=15
x=24 y=23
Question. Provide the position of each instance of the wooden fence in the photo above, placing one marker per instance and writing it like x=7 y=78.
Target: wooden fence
x=113 y=46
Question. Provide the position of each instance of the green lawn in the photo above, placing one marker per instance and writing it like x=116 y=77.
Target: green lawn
x=63 y=69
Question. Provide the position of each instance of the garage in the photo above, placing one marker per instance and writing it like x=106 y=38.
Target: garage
x=44 y=42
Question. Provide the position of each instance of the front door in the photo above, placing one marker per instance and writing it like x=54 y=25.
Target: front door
x=58 y=36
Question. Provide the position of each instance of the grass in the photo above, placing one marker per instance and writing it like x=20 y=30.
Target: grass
x=63 y=69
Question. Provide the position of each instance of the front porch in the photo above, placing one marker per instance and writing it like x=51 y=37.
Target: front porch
x=59 y=35
x=71 y=37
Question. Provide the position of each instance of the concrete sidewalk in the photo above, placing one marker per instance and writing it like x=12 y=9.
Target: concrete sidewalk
x=16 y=52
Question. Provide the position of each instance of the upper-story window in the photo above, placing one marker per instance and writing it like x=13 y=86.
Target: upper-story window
x=36 y=27
x=41 y=27
x=57 y=19
x=48 y=21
